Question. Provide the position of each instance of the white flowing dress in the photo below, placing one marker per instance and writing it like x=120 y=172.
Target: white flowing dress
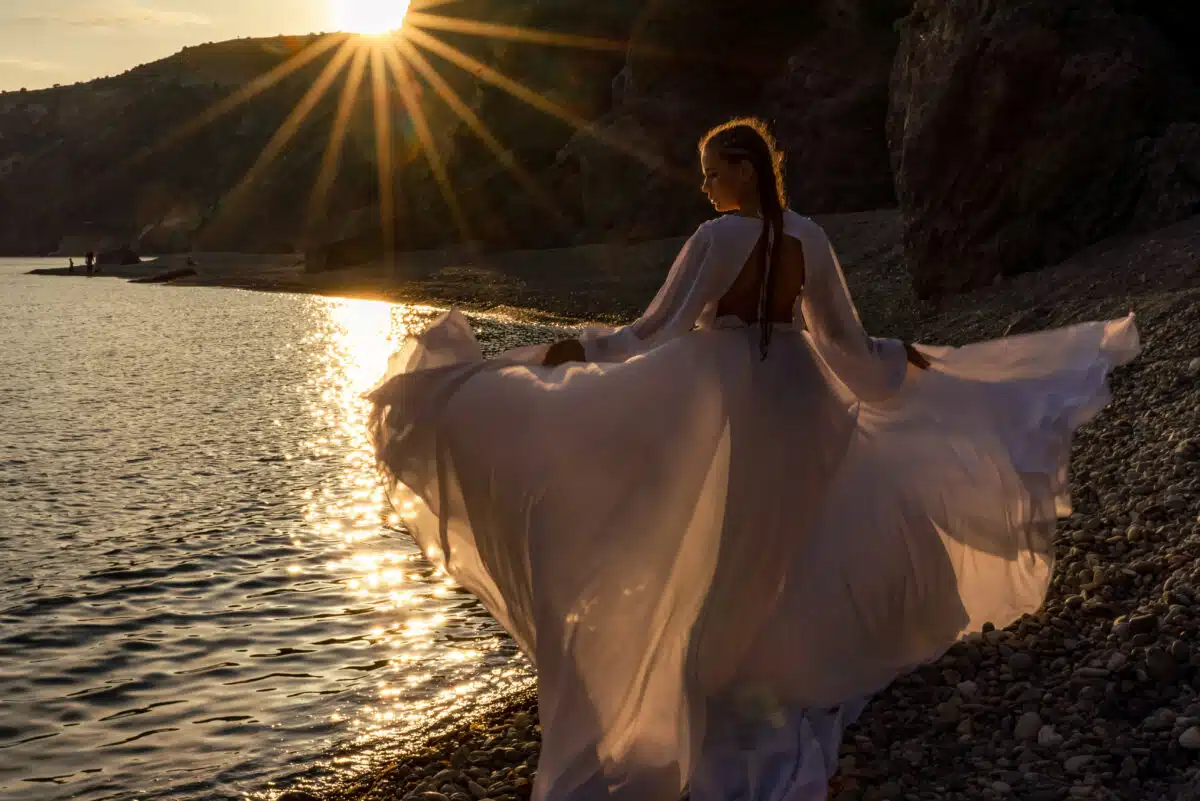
x=714 y=558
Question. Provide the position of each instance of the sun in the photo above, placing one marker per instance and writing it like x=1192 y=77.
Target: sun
x=372 y=17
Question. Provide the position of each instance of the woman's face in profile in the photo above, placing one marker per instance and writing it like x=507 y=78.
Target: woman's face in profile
x=725 y=182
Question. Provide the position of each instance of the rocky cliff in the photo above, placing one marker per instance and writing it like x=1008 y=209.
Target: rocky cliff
x=818 y=71
x=1022 y=131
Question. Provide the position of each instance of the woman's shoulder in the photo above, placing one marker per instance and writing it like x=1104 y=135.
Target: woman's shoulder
x=737 y=226
x=795 y=218
x=728 y=224
x=721 y=230
x=724 y=222
x=801 y=227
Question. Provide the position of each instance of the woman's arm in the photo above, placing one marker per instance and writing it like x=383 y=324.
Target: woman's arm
x=690 y=285
x=870 y=367
x=563 y=351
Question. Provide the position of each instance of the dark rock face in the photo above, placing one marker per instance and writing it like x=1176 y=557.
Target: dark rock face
x=830 y=110
x=1023 y=131
x=818 y=71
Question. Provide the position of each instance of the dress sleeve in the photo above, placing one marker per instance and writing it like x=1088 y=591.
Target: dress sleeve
x=692 y=282
x=871 y=368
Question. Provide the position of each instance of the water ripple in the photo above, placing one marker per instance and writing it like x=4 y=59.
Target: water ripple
x=204 y=591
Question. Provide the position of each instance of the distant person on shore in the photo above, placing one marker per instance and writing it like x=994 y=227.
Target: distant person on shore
x=90 y=260
x=718 y=530
x=71 y=265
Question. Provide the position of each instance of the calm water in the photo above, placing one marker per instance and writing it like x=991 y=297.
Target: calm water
x=201 y=591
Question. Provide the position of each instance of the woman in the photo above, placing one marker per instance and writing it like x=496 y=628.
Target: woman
x=720 y=528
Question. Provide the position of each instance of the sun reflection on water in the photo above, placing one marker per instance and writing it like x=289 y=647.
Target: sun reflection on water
x=437 y=655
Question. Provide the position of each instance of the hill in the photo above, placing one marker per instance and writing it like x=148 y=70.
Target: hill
x=1010 y=133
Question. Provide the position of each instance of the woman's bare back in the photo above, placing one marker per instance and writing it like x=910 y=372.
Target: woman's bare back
x=787 y=282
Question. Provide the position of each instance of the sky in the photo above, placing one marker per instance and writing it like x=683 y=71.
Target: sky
x=45 y=42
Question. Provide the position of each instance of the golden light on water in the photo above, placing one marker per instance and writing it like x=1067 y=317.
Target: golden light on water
x=434 y=658
x=363 y=341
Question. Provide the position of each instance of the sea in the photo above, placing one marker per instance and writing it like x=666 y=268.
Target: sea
x=203 y=593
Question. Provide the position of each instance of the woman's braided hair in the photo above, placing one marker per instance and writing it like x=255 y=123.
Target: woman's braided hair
x=747 y=139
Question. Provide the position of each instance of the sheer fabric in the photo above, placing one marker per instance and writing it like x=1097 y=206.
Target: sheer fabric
x=706 y=268
x=712 y=558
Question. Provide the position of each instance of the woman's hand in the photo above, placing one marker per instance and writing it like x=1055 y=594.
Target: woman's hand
x=567 y=350
x=915 y=357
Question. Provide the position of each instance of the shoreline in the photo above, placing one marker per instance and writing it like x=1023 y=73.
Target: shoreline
x=375 y=285
x=601 y=283
x=491 y=755
x=1097 y=696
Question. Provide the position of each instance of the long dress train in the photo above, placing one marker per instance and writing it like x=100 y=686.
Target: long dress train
x=713 y=558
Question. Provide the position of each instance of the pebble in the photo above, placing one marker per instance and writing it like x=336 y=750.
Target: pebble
x=1160 y=665
x=1077 y=763
x=1020 y=662
x=1161 y=719
x=1047 y=737
x=1190 y=739
x=891 y=790
x=949 y=712
x=1028 y=726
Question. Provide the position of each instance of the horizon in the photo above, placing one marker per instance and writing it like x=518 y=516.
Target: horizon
x=63 y=42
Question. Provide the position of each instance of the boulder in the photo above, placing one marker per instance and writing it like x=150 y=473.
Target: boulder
x=121 y=256
x=1022 y=131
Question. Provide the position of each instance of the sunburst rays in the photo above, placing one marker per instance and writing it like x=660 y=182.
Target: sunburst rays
x=395 y=66
x=292 y=124
x=423 y=20
x=503 y=156
x=433 y=155
x=337 y=137
x=247 y=93
x=525 y=94
x=384 y=153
